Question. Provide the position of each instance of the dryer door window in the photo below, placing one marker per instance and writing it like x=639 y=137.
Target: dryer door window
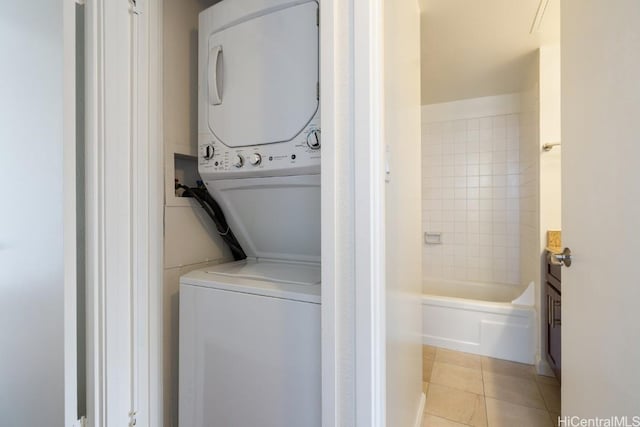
x=261 y=82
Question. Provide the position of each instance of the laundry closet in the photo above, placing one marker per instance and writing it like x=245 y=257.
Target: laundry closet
x=242 y=297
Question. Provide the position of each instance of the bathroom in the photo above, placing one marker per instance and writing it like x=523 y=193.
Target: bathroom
x=490 y=191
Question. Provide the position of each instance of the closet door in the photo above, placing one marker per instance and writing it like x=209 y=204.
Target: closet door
x=263 y=89
x=34 y=303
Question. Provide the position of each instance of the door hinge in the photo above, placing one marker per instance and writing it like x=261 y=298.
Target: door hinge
x=318 y=91
x=318 y=17
x=136 y=6
x=132 y=418
x=82 y=422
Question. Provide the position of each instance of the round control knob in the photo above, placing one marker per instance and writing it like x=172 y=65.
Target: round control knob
x=208 y=152
x=313 y=139
x=239 y=161
x=255 y=159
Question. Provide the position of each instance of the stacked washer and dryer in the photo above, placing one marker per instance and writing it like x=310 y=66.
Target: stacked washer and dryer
x=250 y=329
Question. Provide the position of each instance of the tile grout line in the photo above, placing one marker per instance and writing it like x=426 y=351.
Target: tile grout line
x=484 y=393
x=553 y=423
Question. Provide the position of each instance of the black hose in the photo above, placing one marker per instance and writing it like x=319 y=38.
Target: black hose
x=211 y=207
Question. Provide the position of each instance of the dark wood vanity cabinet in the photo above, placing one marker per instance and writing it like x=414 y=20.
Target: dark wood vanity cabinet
x=553 y=306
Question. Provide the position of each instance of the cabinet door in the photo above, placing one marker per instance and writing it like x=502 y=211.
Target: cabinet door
x=553 y=328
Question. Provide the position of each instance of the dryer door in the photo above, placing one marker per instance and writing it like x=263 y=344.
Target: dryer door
x=261 y=82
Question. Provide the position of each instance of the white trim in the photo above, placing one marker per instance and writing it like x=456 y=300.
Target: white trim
x=420 y=414
x=353 y=260
x=370 y=214
x=69 y=227
x=154 y=12
x=471 y=108
x=94 y=212
x=331 y=237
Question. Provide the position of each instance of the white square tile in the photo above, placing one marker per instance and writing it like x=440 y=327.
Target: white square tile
x=499 y=180
x=473 y=181
x=460 y=227
x=499 y=121
x=448 y=204
x=448 y=159
x=460 y=216
x=460 y=126
x=460 y=181
x=499 y=156
x=460 y=204
x=473 y=216
x=486 y=215
x=473 y=147
x=499 y=144
x=486 y=204
x=486 y=123
x=473 y=158
x=499 y=168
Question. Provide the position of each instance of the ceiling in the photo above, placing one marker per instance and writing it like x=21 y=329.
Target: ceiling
x=474 y=48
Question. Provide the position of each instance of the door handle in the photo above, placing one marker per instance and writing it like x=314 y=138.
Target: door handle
x=555 y=321
x=212 y=76
x=563 y=258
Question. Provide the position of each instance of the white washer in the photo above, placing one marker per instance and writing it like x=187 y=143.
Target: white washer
x=250 y=330
x=250 y=345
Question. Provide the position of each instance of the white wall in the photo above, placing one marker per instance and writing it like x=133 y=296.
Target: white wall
x=471 y=189
x=403 y=281
x=190 y=239
x=550 y=179
x=550 y=130
x=31 y=215
x=529 y=188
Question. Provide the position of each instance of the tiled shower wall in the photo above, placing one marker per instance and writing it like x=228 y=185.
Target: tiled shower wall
x=471 y=190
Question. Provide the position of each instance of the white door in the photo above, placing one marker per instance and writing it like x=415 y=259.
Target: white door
x=37 y=215
x=601 y=207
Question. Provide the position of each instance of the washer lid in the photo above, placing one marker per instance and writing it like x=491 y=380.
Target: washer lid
x=270 y=271
x=293 y=281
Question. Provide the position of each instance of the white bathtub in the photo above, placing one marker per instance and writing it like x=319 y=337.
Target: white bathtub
x=489 y=319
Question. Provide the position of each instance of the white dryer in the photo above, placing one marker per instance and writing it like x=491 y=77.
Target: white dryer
x=250 y=330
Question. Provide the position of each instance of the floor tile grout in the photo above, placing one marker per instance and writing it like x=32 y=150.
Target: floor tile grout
x=533 y=376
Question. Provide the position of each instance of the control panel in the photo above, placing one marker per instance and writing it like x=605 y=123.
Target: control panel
x=298 y=156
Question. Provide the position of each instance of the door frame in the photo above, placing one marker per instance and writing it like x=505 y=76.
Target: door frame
x=138 y=373
x=70 y=221
x=353 y=177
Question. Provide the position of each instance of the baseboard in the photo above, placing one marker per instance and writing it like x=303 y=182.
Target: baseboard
x=543 y=368
x=420 y=414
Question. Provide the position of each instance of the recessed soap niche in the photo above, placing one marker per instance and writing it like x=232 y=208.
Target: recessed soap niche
x=185 y=171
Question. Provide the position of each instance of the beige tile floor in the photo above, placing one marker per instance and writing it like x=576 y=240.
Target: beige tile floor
x=469 y=390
